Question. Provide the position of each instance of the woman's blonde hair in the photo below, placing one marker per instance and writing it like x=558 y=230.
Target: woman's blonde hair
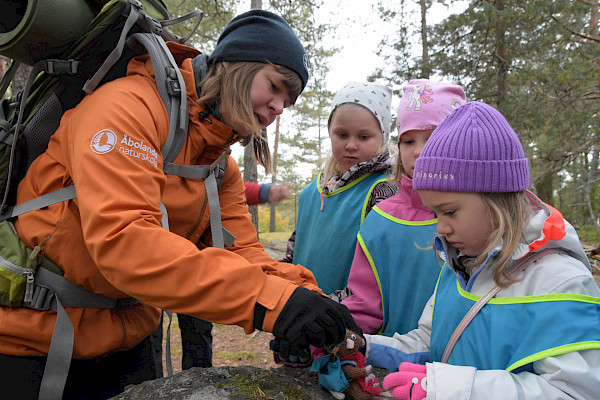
x=331 y=167
x=509 y=213
x=233 y=84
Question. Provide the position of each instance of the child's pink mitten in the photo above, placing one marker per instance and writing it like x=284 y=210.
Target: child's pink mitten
x=409 y=383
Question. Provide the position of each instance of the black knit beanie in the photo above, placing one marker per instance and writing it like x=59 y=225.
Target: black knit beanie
x=261 y=36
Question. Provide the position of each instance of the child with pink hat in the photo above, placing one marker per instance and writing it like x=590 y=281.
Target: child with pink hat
x=392 y=275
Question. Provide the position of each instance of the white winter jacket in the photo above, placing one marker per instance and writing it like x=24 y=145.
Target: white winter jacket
x=574 y=375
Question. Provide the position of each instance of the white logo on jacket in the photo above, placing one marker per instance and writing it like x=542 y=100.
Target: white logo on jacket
x=138 y=149
x=103 y=141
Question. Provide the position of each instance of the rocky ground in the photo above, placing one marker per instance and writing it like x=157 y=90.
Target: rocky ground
x=234 y=383
x=243 y=367
x=231 y=347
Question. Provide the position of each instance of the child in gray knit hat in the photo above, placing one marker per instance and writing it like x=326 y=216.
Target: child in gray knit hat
x=332 y=207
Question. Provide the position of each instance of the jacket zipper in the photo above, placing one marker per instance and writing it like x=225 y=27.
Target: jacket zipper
x=27 y=273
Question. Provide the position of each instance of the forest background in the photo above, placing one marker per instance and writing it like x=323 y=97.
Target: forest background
x=537 y=61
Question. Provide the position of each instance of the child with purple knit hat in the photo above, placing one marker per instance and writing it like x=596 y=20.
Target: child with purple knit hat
x=392 y=276
x=515 y=313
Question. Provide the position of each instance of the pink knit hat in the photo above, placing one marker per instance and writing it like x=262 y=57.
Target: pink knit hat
x=426 y=103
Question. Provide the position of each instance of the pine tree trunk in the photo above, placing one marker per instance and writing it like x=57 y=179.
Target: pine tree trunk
x=591 y=181
x=251 y=175
x=273 y=221
x=543 y=188
x=424 y=41
x=501 y=55
x=250 y=172
x=587 y=189
x=20 y=78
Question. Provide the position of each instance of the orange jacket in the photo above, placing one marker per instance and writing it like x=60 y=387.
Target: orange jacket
x=109 y=238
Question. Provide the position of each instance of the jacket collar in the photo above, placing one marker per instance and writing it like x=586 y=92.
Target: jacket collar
x=406 y=186
x=216 y=134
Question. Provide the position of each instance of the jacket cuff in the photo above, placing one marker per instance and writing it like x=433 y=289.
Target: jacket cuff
x=263 y=193
x=259 y=316
x=273 y=306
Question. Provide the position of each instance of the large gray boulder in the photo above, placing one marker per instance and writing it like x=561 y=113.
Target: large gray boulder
x=222 y=383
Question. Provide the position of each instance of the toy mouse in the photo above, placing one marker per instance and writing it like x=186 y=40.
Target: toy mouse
x=343 y=372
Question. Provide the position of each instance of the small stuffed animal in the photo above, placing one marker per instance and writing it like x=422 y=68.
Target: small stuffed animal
x=343 y=372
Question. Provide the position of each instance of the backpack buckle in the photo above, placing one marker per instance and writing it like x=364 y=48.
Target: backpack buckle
x=173 y=87
x=216 y=167
x=61 y=67
x=41 y=298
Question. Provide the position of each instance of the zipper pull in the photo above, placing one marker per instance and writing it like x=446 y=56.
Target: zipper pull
x=37 y=248
x=35 y=252
x=28 y=286
x=322 y=201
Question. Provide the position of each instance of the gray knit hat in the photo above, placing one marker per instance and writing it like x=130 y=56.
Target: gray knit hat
x=374 y=97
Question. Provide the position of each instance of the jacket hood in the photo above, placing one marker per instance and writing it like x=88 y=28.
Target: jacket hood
x=548 y=229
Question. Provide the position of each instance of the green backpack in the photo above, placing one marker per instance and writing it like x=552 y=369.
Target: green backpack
x=63 y=73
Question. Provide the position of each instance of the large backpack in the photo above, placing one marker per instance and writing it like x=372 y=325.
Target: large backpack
x=120 y=30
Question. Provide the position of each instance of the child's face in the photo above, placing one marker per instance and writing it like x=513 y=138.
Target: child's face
x=411 y=144
x=355 y=135
x=462 y=217
x=269 y=98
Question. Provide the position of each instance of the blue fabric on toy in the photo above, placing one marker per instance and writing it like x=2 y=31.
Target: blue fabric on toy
x=331 y=376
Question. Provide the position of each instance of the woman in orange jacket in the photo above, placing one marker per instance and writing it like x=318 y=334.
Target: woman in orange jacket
x=110 y=240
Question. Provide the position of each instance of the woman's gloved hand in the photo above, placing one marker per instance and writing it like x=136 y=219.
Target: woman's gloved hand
x=311 y=319
x=409 y=383
x=283 y=353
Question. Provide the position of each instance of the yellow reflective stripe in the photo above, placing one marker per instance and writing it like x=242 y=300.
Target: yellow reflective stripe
x=340 y=190
x=319 y=183
x=403 y=221
x=555 y=351
x=372 y=263
x=435 y=290
x=539 y=298
x=363 y=213
x=348 y=186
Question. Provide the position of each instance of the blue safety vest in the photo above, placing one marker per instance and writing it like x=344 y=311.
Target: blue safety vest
x=510 y=333
x=405 y=271
x=327 y=227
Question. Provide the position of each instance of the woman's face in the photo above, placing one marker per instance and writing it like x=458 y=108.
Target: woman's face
x=269 y=98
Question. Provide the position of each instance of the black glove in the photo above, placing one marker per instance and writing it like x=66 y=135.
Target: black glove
x=310 y=319
x=290 y=354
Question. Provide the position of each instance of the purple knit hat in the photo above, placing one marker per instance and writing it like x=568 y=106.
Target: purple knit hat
x=426 y=103
x=473 y=150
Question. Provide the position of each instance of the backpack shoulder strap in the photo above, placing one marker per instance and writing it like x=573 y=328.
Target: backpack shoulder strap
x=172 y=90
x=64 y=293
